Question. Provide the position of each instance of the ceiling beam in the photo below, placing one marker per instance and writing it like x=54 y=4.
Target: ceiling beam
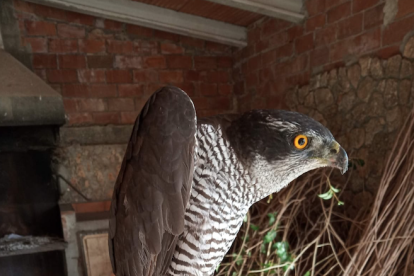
x=155 y=17
x=289 y=10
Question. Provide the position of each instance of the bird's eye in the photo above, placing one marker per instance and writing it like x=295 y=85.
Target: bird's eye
x=301 y=141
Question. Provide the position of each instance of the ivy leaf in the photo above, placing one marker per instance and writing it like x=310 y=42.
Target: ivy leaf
x=254 y=227
x=335 y=189
x=239 y=259
x=270 y=236
x=263 y=248
x=307 y=273
x=272 y=218
x=327 y=195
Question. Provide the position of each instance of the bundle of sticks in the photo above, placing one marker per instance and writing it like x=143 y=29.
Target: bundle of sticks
x=298 y=233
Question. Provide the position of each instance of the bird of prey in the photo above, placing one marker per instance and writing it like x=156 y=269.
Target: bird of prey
x=185 y=185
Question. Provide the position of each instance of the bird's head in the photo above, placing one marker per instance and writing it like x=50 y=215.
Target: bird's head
x=278 y=146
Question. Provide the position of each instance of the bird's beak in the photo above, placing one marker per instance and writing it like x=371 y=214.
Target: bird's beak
x=338 y=158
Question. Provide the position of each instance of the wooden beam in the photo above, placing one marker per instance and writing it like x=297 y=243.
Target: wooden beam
x=289 y=10
x=155 y=17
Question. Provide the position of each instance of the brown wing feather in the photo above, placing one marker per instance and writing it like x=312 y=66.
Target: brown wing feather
x=153 y=186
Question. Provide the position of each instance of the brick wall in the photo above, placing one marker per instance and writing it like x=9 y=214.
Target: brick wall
x=106 y=70
x=281 y=55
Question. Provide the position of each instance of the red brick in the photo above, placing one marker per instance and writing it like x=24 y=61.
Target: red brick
x=91 y=75
x=118 y=76
x=261 y=45
x=40 y=28
x=201 y=103
x=143 y=47
x=304 y=43
x=128 y=62
x=315 y=6
x=121 y=104
x=266 y=74
x=63 y=46
x=72 y=61
x=294 y=32
x=255 y=63
x=155 y=62
x=78 y=18
x=113 y=25
x=89 y=90
x=130 y=90
x=360 y=5
x=388 y=52
x=225 y=89
x=221 y=103
x=62 y=76
x=192 y=42
x=252 y=80
x=180 y=62
x=217 y=47
x=208 y=89
x=91 y=46
x=139 y=31
x=106 y=118
x=192 y=75
x=315 y=22
x=205 y=62
x=23 y=6
x=120 y=47
x=70 y=105
x=69 y=31
x=49 y=12
x=171 y=76
x=166 y=35
x=36 y=44
x=339 y=12
x=80 y=118
x=273 y=55
x=100 y=61
x=44 y=61
x=326 y=35
x=405 y=7
x=350 y=26
x=224 y=62
x=129 y=117
x=145 y=76
x=332 y=3
x=91 y=104
x=361 y=44
x=171 y=48
x=218 y=76
x=373 y=17
x=272 y=26
x=396 y=31
x=319 y=56
x=187 y=87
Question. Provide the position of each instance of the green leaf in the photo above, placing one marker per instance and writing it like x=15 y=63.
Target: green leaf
x=327 y=195
x=254 y=227
x=307 y=273
x=272 y=218
x=270 y=236
x=245 y=218
x=234 y=273
x=238 y=259
x=263 y=248
x=335 y=189
x=341 y=203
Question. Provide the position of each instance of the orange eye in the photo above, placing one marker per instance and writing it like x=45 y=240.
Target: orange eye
x=301 y=141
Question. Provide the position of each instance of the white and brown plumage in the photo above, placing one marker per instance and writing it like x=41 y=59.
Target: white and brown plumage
x=185 y=186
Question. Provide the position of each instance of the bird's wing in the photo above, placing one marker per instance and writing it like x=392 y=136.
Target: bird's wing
x=153 y=186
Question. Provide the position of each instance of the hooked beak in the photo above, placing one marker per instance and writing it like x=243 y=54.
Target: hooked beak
x=338 y=158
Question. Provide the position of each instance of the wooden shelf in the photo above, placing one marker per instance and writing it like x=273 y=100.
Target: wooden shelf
x=20 y=245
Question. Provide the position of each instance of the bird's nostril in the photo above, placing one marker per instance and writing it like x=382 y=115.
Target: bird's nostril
x=334 y=151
